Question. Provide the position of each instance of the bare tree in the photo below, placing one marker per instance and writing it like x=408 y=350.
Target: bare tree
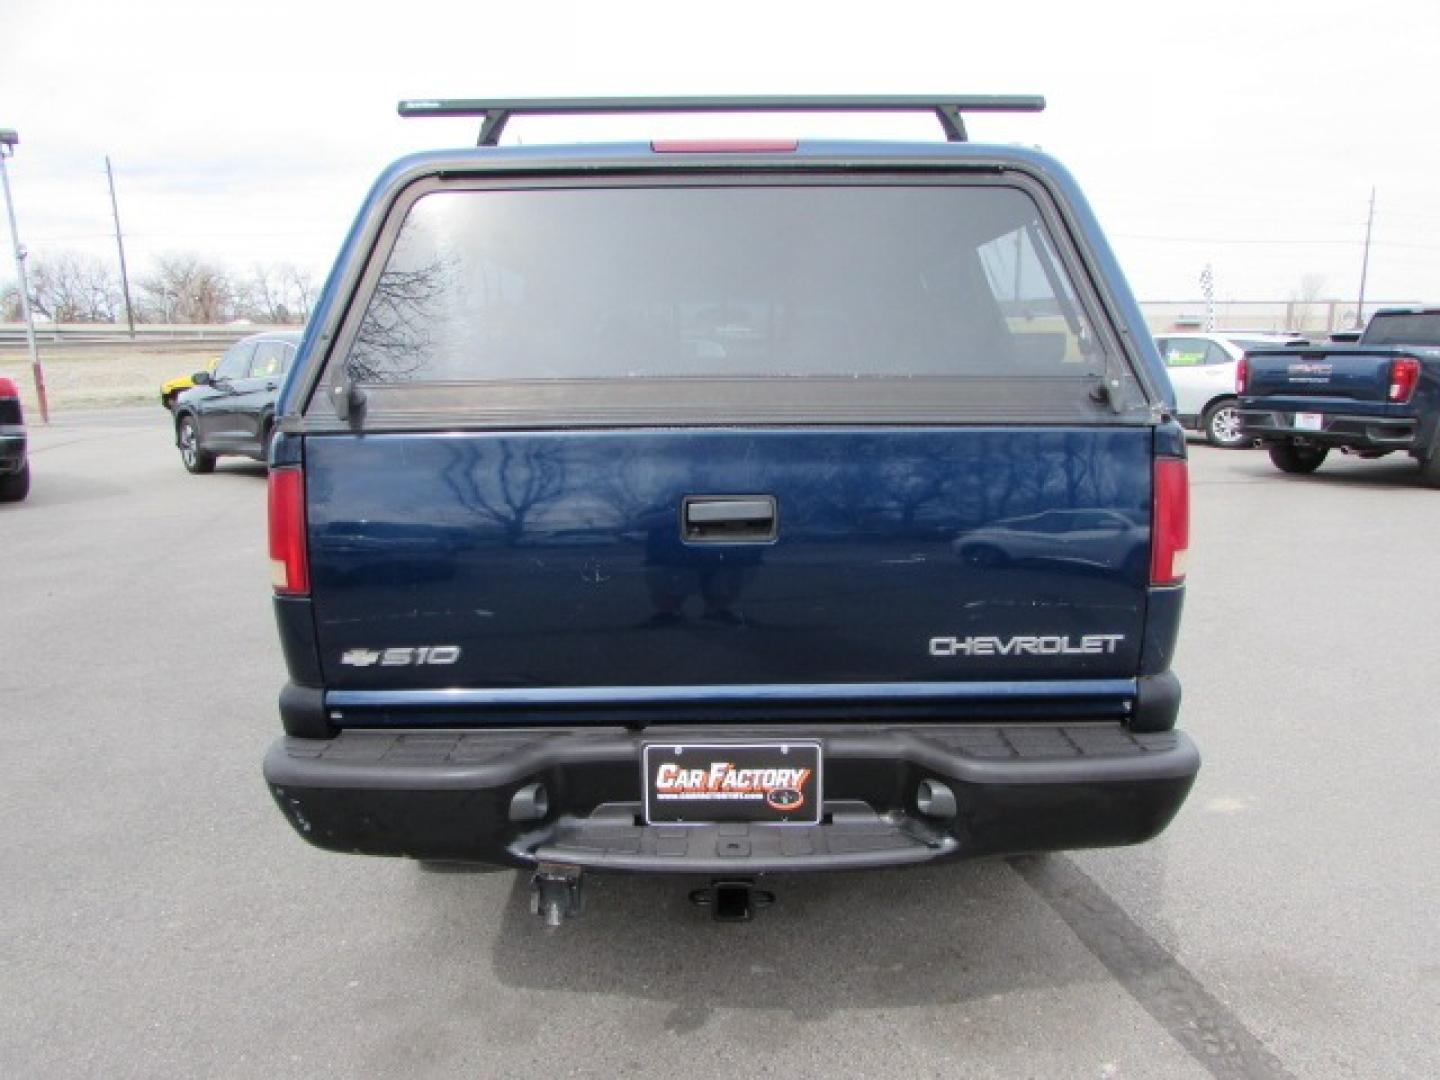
x=391 y=340
x=1297 y=311
x=187 y=289
x=275 y=294
x=68 y=287
x=261 y=296
x=300 y=291
x=71 y=288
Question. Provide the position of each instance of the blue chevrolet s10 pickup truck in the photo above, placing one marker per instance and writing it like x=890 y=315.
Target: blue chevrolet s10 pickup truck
x=1375 y=397
x=726 y=508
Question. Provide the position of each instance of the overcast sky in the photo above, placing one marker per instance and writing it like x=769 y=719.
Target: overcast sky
x=1244 y=135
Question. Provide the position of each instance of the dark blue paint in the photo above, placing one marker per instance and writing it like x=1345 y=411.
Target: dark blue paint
x=556 y=559
x=1170 y=440
x=1355 y=374
x=1162 y=629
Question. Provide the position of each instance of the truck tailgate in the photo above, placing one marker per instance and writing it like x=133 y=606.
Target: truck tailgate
x=1344 y=375
x=552 y=560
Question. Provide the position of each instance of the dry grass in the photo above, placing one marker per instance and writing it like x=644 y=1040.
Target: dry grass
x=97 y=378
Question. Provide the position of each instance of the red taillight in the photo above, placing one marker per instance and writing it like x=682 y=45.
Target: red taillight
x=1242 y=374
x=724 y=146
x=1404 y=374
x=8 y=388
x=289 y=566
x=1170 y=542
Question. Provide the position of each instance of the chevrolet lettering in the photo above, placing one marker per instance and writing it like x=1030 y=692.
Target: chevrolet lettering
x=780 y=506
x=1088 y=645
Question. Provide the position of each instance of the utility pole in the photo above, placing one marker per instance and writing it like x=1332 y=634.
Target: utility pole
x=8 y=141
x=1365 y=265
x=120 y=243
x=1207 y=289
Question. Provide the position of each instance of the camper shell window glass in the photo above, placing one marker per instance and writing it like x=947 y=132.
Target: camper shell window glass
x=715 y=288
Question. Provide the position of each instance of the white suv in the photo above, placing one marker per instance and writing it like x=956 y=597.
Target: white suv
x=1202 y=370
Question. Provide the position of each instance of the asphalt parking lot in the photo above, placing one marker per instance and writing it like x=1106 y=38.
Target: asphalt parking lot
x=158 y=918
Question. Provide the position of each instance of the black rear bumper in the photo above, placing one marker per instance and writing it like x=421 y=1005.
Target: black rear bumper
x=1356 y=432
x=447 y=795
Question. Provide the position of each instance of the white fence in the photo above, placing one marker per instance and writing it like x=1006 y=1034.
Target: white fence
x=1316 y=317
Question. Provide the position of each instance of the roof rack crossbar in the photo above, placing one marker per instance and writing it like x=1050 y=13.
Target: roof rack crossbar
x=497 y=112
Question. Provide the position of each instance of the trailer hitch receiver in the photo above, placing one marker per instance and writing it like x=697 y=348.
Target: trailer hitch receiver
x=732 y=900
x=555 y=892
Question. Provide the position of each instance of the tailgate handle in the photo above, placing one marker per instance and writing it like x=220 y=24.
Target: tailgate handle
x=729 y=518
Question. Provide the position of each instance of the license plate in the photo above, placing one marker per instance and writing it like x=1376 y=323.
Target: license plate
x=1309 y=421
x=775 y=782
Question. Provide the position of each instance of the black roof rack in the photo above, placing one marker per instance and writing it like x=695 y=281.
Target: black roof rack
x=497 y=112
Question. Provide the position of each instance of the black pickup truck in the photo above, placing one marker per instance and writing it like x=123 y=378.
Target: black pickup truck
x=727 y=508
x=1375 y=397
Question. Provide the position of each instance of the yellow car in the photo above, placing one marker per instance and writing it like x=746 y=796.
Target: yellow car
x=171 y=390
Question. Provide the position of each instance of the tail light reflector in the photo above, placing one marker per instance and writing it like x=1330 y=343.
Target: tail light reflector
x=1242 y=374
x=1170 y=539
x=8 y=389
x=1404 y=374
x=289 y=563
